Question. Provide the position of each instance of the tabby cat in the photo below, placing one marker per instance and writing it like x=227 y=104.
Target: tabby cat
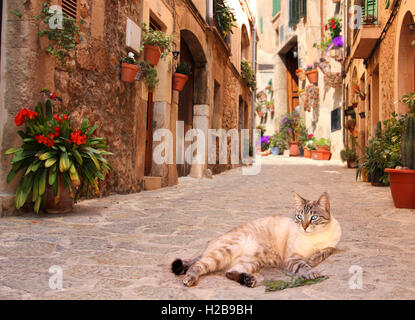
x=294 y=245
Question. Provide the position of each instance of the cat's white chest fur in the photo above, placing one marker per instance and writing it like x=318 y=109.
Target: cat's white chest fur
x=307 y=244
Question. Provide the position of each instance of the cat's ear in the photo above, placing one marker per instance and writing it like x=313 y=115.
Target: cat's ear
x=298 y=201
x=324 y=201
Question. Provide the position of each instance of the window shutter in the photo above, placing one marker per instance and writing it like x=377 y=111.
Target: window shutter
x=276 y=7
x=261 y=25
x=70 y=8
x=303 y=8
x=294 y=12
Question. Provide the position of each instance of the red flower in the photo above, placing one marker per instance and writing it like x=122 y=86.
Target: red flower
x=65 y=117
x=57 y=118
x=23 y=115
x=53 y=95
x=78 y=138
x=326 y=27
x=45 y=140
x=57 y=131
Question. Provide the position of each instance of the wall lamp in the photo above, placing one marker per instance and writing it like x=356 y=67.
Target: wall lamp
x=411 y=27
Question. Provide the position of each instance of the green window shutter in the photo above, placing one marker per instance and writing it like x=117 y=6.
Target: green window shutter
x=294 y=12
x=276 y=7
x=303 y=8
x=261 y=25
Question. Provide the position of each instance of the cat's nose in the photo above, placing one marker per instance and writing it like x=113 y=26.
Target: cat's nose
x=305 y=225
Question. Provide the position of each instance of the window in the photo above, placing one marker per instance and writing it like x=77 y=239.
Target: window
x=370 y=11
x=70 y=8
x=336 y=121
x=297 y=10
x=276 y=7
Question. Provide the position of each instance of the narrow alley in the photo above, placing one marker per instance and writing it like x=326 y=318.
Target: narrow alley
x=120 y=247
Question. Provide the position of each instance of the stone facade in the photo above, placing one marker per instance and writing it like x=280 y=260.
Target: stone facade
x=93 y=88
x=282 y=49
x=386 y=73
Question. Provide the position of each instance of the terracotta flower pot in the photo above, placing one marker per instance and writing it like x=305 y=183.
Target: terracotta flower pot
x=179 y=81
x=63 y=203
x=355 y=104
x=300 y=74
x=312 y=76
x=128 y=72
x=294 y=149
x=260 y=114
x=402 y=183
x=152 y=54
x=307 y=153
x=320 y=155
x=323 y=148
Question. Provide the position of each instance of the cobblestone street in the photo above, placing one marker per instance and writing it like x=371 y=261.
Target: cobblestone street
x=121 y=247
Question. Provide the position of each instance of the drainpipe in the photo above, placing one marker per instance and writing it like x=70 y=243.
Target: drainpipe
x=254 y=91
x=209 y=12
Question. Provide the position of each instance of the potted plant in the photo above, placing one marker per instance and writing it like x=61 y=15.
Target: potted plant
x=180 y=77
x=312 y=74
x=288 y=126
x=349 y=155
x=150 y=75
x=58 y=162
x=157 y=44
x=402 y=177
x=258 y=110
x=310 y=144
x=322 y=152
x=270 y=105
x=359 y=92
x=265 y=142
x=362 y=115
x=248 y=74
x=300 y=74
x=129 y=68
x=350 y=124
x=355 y=102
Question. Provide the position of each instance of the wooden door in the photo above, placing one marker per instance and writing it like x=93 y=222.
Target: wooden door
x=185 y=112
x=149 y=136
x=292 y=82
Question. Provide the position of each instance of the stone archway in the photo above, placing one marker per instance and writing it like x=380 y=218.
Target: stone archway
x=405 y=62
x=245 y=54
x=195 y=91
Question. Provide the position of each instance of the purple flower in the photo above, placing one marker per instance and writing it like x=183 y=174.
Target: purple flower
x=265 y=139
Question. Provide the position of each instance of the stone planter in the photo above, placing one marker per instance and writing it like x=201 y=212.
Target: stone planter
x=179 y=81
x=152 y=54
x=402 y=184
x=128 y=72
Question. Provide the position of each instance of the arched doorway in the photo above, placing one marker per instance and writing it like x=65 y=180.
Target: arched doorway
x=195 y=90
x=244 y=44
x=406 y=62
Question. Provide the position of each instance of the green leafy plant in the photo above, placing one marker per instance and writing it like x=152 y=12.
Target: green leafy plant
x=248 y=74
x=184 y=68
x=289 y=125
x=150 y=75
x=349 y=154
x=323 y=142
x=224 y=17
x=157 y=38
x=409 y=99
x=302 y=133
x=323 y=44
x=334 y=26
x=129 y=59
x=278 y=140
x=262 y=128
x=62 y=40
x=408 y=143
x=52 y=147
x=277 y=285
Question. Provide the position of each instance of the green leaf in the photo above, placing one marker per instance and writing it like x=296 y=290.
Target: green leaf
x=46 y=155
x=48 y=110
x=37 y=204
x=94 y=159
x=50 y=162
x=42 y=182
x=13 y=150
x=52 y=175
x=64 y=163
x=84 y=124
x=78 y=156
x=91 y=131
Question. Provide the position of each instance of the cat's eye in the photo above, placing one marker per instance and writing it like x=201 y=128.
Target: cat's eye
x=299 y=217
x=314 y=218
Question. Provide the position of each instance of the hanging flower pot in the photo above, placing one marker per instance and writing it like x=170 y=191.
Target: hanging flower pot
x=179 y=81
x=128 y=72
x=362 y=115
x=312 y=76
x=152 y=54
x=300 y=74
x=355 y=104
x=350 y=124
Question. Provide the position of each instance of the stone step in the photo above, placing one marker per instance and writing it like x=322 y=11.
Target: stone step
x=151 y=183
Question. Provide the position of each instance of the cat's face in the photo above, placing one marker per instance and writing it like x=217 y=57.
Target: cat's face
x=312 y=216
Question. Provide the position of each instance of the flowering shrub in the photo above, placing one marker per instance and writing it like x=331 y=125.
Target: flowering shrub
x=52 y=147
x=289 y=125
x=265 y=140
x=334 y=40
x=279 y=141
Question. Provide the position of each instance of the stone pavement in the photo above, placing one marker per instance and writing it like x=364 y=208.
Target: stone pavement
x=120 y=247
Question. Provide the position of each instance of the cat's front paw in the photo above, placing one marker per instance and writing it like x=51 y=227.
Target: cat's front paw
x=311 y=275
x=248 y=280
x=189 y=280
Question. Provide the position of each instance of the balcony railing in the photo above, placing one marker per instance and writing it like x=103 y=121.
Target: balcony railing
x=369 y=13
